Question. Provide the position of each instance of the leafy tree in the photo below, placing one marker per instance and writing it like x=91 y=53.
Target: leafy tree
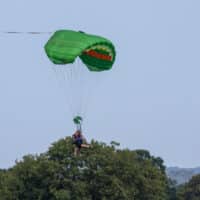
x=100 y=173
x=191 y=190
x=172 y=189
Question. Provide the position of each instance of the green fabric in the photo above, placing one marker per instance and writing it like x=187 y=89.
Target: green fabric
x=66 y=45
x=77 y=120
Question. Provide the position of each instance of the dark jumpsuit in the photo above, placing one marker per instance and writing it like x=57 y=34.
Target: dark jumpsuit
x=78 y=141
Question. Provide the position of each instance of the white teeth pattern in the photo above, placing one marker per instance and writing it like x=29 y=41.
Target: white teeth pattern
x=101 y=47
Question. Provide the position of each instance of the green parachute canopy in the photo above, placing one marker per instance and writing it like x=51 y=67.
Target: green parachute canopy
x=96 y=52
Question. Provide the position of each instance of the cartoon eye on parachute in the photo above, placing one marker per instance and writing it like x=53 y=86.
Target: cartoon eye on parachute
x=80 y=62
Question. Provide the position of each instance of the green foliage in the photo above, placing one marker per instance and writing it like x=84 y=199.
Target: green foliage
x=172 y=189
x=99 y=173
x=191 y=190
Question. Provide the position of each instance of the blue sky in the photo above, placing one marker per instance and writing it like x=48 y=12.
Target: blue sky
x=150 y=100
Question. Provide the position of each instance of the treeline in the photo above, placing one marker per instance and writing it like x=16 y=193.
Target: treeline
x=103 y=172
x=190 y=190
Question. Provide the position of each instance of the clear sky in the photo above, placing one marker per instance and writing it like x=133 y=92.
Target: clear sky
x=151 y=99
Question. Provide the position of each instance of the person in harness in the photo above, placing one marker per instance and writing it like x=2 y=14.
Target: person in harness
x=79 y=141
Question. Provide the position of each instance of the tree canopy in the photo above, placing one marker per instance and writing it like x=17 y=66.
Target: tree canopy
x=103 y=172
x=190 y=190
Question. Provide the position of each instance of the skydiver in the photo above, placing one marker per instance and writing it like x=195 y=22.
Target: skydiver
x=78 y=140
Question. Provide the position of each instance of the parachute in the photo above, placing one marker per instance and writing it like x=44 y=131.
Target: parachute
x=79 y=59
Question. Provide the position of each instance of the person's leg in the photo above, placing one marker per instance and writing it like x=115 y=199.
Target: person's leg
x=85 y=145
x=76 y=151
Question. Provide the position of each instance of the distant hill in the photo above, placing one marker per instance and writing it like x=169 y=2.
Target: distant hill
x=182 y=175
